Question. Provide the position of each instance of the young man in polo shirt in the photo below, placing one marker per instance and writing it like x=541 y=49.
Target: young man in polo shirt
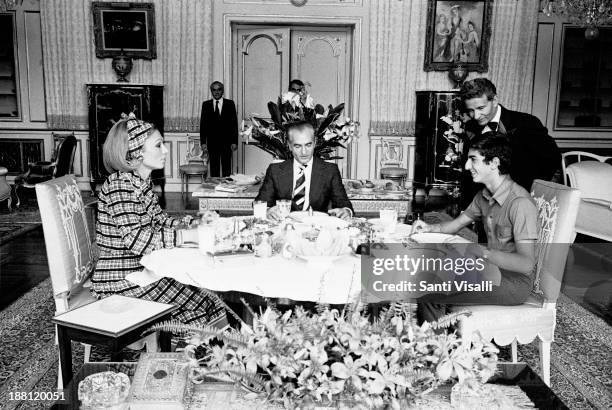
x=509 y=216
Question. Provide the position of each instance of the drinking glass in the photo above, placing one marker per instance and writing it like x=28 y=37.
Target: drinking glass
x=284 y=207
x=259 y=209
x=388 y=220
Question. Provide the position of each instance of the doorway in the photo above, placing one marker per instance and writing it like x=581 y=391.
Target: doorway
x=265 y=58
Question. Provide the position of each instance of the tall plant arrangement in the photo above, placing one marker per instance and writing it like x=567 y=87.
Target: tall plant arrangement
x=331 y=131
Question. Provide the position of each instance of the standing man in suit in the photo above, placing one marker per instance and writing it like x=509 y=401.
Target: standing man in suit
x=219 y=130
x=307 y=181
x=535 y=154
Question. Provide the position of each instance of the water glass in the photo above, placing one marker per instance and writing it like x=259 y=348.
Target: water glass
x=284 y=207
x=259 y=209
x=206 y=238
x=388 y=220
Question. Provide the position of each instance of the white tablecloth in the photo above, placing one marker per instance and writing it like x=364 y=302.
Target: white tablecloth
x=335 y=282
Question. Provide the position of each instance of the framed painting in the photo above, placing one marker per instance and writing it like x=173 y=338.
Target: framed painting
x=124 y=28
x=458 y=31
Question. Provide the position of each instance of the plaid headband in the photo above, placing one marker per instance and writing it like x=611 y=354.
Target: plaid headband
x=137 y=134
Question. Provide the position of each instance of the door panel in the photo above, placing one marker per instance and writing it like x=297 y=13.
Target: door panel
x=263 y=71
x=320 y=57
x=268 y=57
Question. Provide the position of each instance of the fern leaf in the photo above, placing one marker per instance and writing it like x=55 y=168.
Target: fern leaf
x=448 y=320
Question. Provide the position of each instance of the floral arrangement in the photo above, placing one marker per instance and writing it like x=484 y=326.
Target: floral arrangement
x=331 y=131
x=455 y=135
x=302 y=359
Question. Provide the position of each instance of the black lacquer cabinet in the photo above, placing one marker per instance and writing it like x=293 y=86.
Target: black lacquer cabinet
x=106 y=104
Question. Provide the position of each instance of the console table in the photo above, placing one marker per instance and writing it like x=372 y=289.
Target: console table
x=241 y=202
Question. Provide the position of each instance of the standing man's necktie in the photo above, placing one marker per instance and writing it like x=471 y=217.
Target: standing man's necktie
x=299 y=192
x=217 y=108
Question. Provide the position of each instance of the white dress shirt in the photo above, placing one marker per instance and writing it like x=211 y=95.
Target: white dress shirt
x=307 y=174
x=220 y=105
x=495 y=118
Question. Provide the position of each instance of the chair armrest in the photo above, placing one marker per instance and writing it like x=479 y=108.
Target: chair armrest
x=597 y=201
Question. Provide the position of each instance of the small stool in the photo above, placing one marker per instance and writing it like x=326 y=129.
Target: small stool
x=5 y=188
x=193 y=169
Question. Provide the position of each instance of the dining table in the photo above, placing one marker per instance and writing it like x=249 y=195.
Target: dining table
x=329 y=279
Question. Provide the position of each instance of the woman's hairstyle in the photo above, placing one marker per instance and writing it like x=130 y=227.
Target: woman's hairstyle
x=491 y=145
x=116 y=148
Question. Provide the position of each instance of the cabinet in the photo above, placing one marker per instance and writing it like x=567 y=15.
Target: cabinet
x=106 y=104
x=438 y=161
x=9 y=104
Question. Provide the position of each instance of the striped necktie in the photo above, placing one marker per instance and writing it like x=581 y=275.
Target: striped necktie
x=299 y=192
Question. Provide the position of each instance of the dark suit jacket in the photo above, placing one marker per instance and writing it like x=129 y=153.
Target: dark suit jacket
x=535 y=154
x=325 y=185
x=218 y=132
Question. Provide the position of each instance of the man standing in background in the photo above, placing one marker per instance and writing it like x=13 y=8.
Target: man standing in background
x=219 y=130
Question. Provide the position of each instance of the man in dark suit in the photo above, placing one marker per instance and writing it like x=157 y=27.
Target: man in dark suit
x=307 y=181
x=535 y=154
x=219 y=130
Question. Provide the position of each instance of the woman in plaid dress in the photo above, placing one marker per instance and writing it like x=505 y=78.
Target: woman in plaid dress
x=132 y=224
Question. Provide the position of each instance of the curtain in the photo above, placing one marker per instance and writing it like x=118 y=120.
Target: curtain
x=397 y=52
x=183 y=65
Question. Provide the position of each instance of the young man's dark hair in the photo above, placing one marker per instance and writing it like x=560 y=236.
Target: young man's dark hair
x=491 y=145
x=477 y=88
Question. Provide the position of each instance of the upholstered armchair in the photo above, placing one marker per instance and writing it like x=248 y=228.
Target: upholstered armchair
x=60 y=165
x=592 y=177
x=557 y=209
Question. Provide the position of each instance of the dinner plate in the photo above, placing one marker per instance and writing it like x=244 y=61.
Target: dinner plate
x=300 y=215
x=328 y=221
x=400 y=229
x=435 y=237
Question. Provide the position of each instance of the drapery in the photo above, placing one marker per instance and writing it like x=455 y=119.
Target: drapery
x=183 y=64
x=397 y=52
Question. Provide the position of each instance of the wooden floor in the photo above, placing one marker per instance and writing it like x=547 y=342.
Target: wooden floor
x=588 y=277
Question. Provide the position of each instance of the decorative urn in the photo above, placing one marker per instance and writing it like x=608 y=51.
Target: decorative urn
x=122 y=65
x=458 y=73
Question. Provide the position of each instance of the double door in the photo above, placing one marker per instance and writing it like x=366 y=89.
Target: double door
x=266 y=58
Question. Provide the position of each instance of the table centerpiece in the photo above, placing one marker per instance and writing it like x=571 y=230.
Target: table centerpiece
x=331 y=131
x=339 y=358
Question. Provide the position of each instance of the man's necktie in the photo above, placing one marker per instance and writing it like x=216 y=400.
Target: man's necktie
x=217 y=107
x=299 y=192
x=493 y=126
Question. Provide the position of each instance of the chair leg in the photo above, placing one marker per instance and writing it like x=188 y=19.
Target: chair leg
x=60 y=382
x=87 y=353
x=151 y=342
x=514 y=351
x=545 y=360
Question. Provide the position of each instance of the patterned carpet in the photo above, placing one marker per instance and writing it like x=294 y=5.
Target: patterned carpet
x=17 y=222
x=581 y=369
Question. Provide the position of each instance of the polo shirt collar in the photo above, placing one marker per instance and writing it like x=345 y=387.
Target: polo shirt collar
x=501 y=194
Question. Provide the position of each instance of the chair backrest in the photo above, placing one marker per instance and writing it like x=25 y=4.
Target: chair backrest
x=70 y=251
x=565 y=158
x=392 y=153
x=65 y=156
x=557 y=210
x=592 y=178
x=195 y=153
